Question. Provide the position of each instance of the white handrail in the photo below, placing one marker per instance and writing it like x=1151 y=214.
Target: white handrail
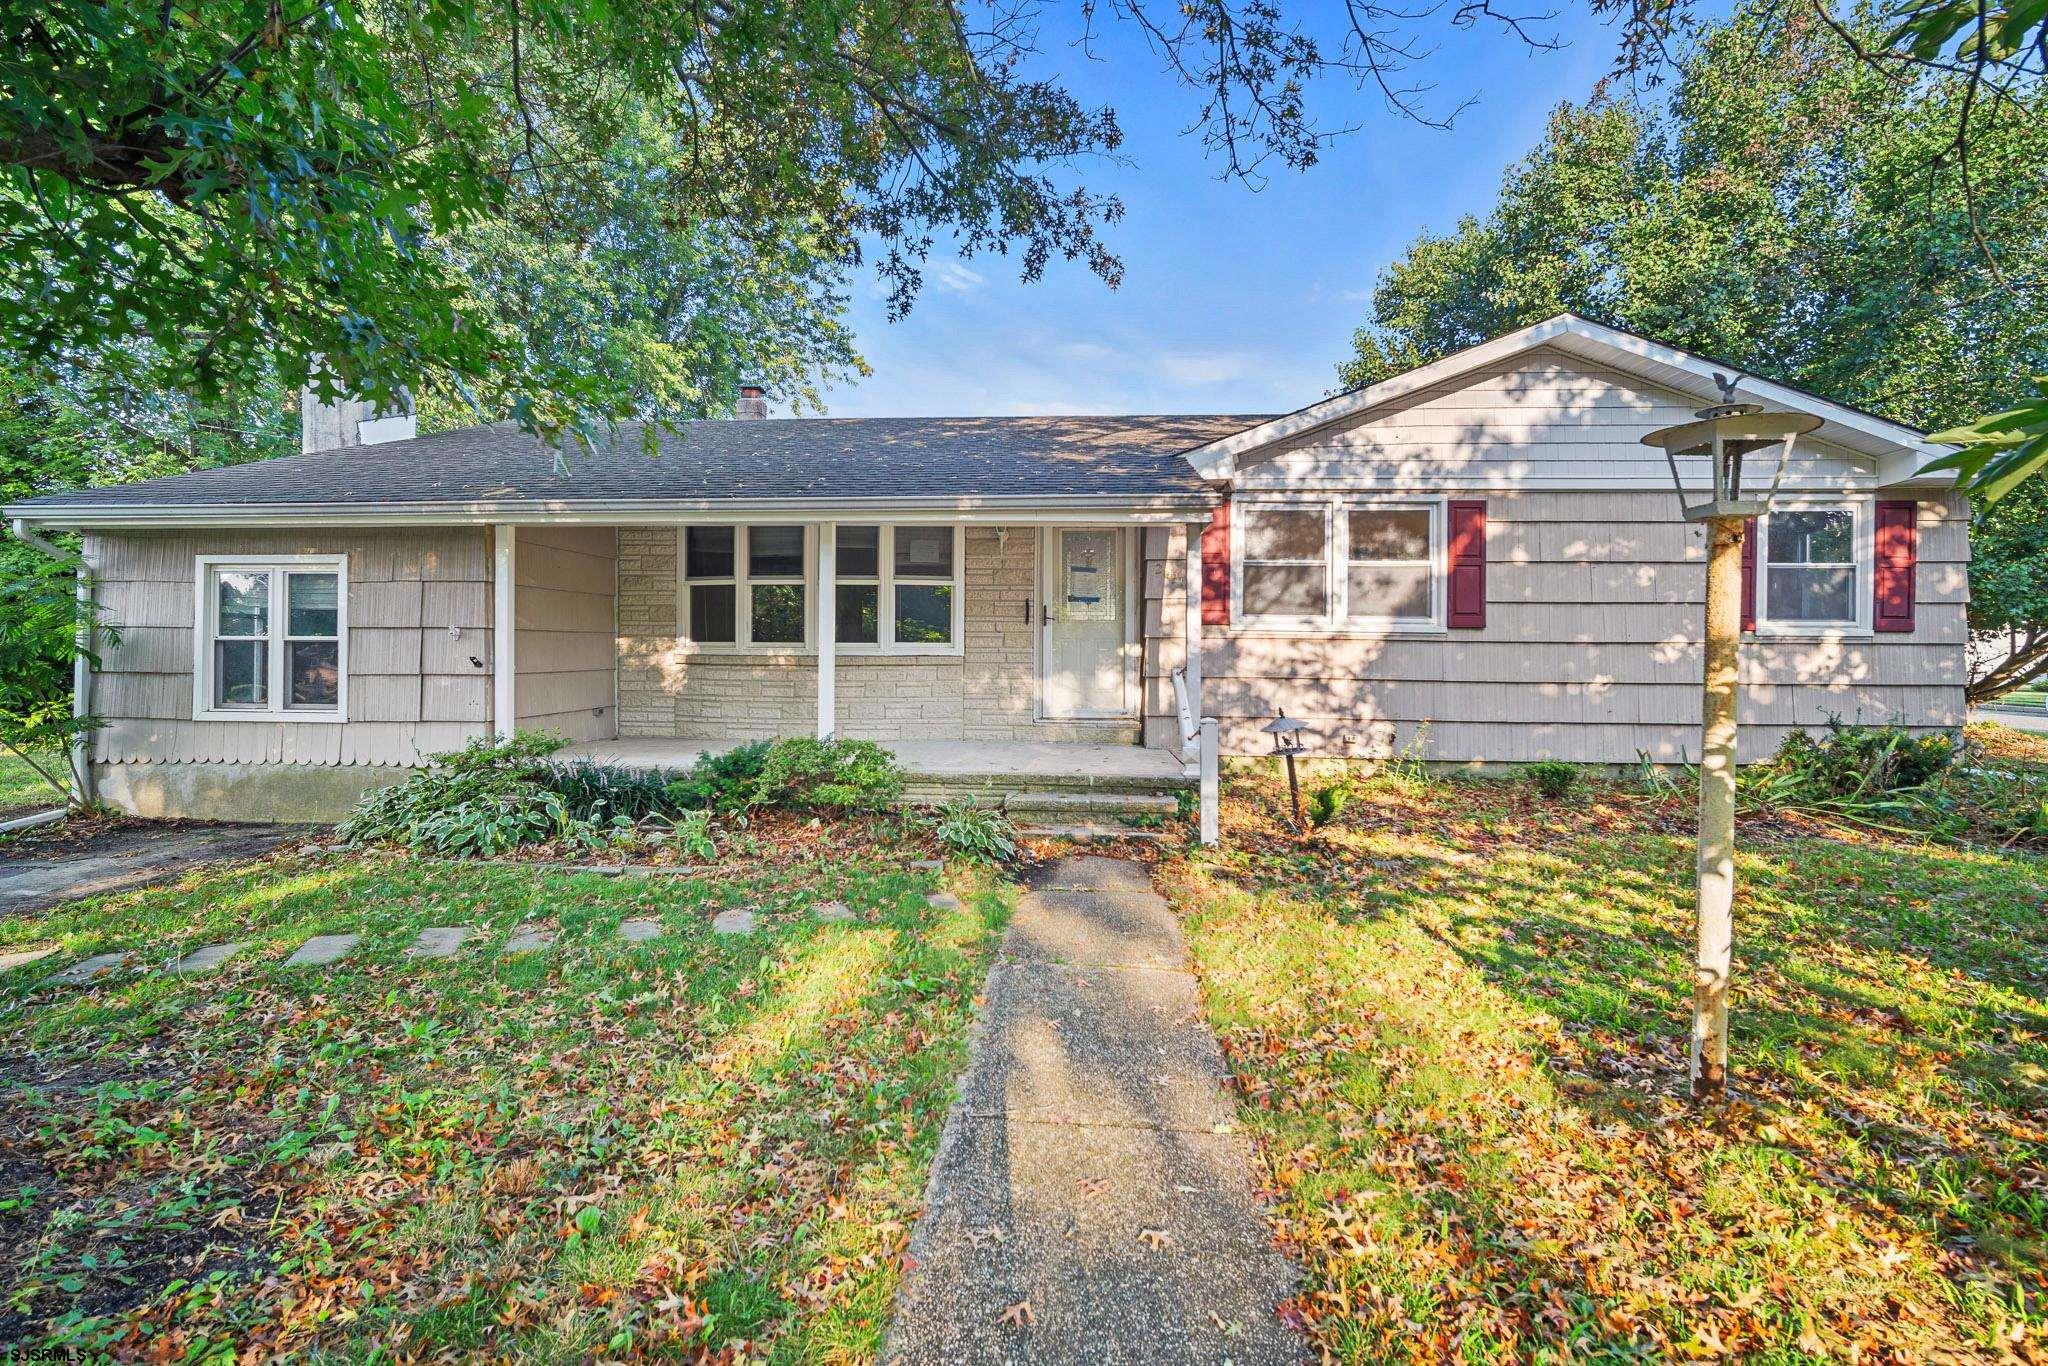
x=1200 y=732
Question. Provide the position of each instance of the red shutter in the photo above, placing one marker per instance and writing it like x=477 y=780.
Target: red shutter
x=1216 y=567
x=1897 y=551
x=1749 y=538
x=1468 y=564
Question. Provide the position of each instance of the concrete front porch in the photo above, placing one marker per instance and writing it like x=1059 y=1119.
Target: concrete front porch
x=1041 y=778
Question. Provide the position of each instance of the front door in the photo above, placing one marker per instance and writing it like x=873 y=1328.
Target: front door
x=1083 y=653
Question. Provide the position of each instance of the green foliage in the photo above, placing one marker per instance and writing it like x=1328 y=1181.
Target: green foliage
x=2009 y=591
x=1853 y=762
x=213 y=195
x=483 y=799
x=1552 y=779
x=690 y=832
x=1786 y=210
x=721 y=782
x=1999 y=451
x=845 y=775
x=975 y=832
x=601 y=792
x=1327 y=802
x=39 y=619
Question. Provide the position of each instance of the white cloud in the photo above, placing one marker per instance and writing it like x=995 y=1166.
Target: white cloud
x=956 y=278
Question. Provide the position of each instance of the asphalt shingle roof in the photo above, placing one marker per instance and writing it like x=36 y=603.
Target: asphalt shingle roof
x=823 y=458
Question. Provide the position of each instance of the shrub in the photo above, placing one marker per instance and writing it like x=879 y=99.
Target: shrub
x=1552 y=778
x=975 y=832
x=690 y=831
x=1327 y=802
x=605 y=792
x=482 y=799
x=843 y=775
x=721 y=782
x=1857 y=761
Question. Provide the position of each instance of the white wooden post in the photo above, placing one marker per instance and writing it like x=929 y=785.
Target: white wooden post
x=827 y=605
x=81 y=682
x=504 y=554
x=1210 y=817
x=1193 y=611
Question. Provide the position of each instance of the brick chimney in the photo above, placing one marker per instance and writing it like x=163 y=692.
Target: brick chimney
x=753 y=404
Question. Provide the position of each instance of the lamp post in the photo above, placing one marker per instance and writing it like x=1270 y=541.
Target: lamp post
x=1287 y=743
x=1719 y=440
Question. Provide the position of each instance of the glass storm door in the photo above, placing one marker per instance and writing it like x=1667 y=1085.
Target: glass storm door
x=1083 y=652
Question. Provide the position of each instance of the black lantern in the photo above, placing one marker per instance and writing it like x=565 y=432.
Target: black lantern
x=1287 y=742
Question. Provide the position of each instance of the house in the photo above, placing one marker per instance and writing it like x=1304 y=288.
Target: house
x=1475 y=562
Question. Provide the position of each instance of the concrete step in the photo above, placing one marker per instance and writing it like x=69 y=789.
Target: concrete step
x=1084 y=804
x=1090 y=832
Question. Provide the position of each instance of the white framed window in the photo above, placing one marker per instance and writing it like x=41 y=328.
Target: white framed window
x=1338 y=565
x=270 y=638
x=744 y=587
x=1813 y=568
x=1393 y=564
x=897 y=589
x=1281 y=563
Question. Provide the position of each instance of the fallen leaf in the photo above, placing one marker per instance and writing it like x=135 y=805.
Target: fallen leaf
x=1018 y=1315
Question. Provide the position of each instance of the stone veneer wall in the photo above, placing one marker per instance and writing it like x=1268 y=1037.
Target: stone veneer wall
x=984 y=693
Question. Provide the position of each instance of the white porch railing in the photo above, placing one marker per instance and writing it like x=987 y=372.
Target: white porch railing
x=1198 y=752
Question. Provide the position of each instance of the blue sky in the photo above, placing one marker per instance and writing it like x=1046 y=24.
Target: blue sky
x=1233 y=300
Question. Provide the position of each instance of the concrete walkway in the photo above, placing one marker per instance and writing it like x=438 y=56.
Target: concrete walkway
x=1092 y=1200
x=33 y=876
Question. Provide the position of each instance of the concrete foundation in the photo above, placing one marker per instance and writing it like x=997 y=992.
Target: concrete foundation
x=285 y=793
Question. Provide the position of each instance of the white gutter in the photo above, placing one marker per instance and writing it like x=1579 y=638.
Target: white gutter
x=1084 y=508
x=81 y=662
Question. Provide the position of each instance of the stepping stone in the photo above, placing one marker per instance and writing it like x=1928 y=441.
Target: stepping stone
x=833 y=910
x=530 y=939
x=321 y=950
x=639 y=930
x=943 y=901
x=22 y=956
x=208 y=958
x=733 y=922
x=927 y=865
x=438 y=942
x=81 y=972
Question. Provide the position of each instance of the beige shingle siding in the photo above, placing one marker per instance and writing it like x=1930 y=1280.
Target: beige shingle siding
x=563 y=675
x=412 y=689
x=1595 y=595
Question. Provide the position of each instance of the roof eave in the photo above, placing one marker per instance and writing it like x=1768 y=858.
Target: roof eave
x=1157 y=507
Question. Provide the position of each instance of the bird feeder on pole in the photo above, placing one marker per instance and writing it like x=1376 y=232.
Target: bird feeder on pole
x=1712 y=459
x=1287 y=743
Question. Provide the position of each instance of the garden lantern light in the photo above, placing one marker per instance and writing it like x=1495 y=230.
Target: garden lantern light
x=1712 y=459
x=1287 y=742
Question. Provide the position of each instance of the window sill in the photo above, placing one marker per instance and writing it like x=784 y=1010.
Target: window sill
x=1766 y=631
x=1324 y=631
x=318 y=718
x=791 y=655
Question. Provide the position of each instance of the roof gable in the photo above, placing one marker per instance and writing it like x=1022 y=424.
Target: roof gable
x=1900 y=453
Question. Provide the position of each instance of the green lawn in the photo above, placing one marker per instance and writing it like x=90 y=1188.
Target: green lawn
x=1458 y=1020
x=697 y=1143
x=23 y=789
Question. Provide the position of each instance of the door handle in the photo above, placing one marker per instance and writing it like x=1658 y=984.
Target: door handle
x=1045 y=614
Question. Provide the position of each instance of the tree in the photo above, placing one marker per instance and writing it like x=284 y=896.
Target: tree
x=1778 y=211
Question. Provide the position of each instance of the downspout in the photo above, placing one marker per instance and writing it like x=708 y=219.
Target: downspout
x=81 y=661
